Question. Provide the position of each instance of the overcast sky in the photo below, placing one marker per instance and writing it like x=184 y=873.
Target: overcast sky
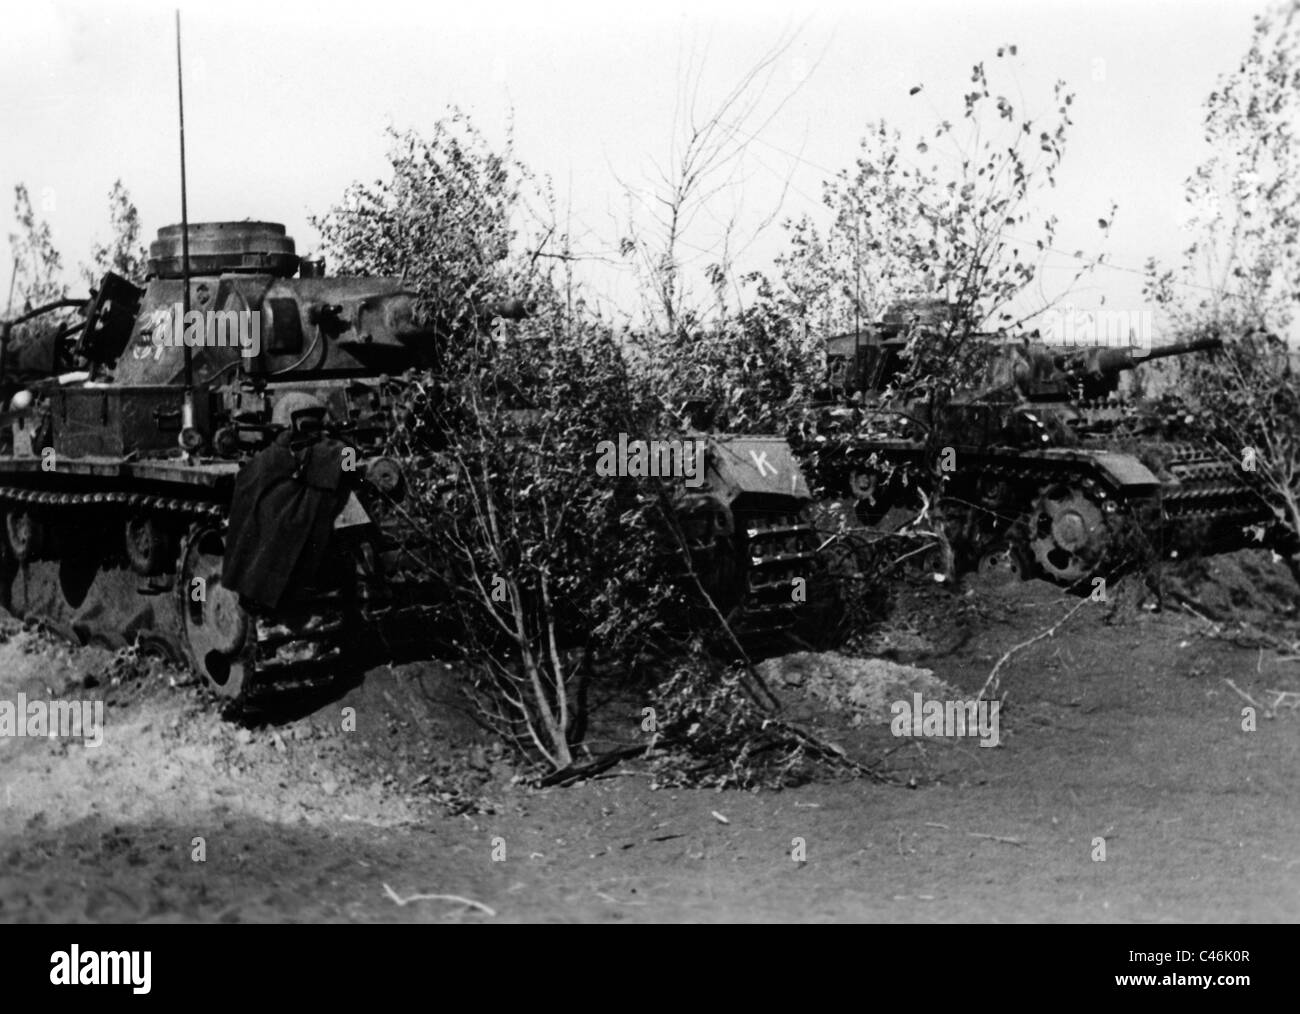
x=287 y=102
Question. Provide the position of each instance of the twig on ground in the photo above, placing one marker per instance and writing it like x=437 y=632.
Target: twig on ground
x=470 y=902
x=831 y=751
x=992 y=681
x=616 y=901
x=998 y=837
x=574 y=773
x=1248 y=699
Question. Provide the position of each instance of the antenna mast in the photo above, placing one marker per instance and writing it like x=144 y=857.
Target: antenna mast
x=187 y=407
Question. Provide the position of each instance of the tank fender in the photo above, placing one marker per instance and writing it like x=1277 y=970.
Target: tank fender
x=1125 y=472
x=754 y=464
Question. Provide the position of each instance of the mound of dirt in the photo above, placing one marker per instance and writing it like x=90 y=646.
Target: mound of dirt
x=861 y=688
x=1253 y=586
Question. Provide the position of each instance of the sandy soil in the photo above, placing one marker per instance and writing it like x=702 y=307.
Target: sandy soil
x=1121 y=727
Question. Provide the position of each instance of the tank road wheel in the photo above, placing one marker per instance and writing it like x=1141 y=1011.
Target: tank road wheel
x=1005 y=562
x=863 y=484
x=1067 y=533
x=26 y=534
x=149 y=548
x=218 y=633
x=872 y=499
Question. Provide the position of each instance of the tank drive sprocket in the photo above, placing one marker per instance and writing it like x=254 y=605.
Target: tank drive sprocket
x=1069 y=533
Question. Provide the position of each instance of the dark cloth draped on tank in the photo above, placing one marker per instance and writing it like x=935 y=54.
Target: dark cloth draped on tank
x=281 y=518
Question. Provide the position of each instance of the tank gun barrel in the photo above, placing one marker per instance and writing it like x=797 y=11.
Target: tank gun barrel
x=7 y=326
x=40 y=311
x=1183 y=349
x=1104 y=362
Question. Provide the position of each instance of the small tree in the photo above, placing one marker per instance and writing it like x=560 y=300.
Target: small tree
x=543 y=558
x=447 y=221
x=1239 y=278
x=123 y=253
x=1246 y=403
x=950 y=218
x=678 y=217
x=37 y=264
x=37 y=279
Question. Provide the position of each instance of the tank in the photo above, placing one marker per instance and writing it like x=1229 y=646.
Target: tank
x=751 y=538
x=198 y=468
x=1051 y=471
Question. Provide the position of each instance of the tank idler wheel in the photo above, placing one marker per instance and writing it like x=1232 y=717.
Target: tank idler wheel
x=218 y=633
x=27 y=536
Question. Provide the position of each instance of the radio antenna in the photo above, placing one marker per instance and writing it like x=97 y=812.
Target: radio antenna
x=187 y=407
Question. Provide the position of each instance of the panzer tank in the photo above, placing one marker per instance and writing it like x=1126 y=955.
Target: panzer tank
x=1050 y=472
x=200 y=470
x=124 y=462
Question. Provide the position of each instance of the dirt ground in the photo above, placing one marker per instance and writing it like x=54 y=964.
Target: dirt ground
x=1121 y=726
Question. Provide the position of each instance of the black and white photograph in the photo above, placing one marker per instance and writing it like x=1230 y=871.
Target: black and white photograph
x=674 y=463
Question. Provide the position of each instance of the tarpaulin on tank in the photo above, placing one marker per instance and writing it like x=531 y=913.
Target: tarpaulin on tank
x=281 y=518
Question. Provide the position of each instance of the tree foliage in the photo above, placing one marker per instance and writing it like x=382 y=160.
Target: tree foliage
x=1241 y=271
x=447 y=220
x=950 y=216
x=1239 y=278
x=37 y=264
x=543 y=560
x=124 y=253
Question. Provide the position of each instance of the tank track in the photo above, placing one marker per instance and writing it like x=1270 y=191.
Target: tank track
x=749 y=561
x=172 y=506
x=1201 y=501
x=1206 y=485
x=782 y=550
x=297 y=647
